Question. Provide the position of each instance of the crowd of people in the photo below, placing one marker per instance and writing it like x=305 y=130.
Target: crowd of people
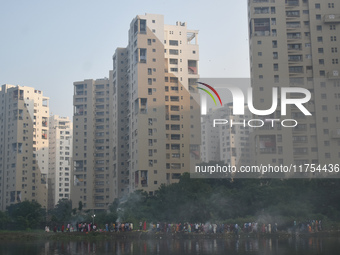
x=213 y=228
x=311 y=226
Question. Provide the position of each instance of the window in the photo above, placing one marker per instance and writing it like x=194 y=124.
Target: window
x=334 y=50
x=143 y=26
x=322 y=73
x=319 y=38
x=173 y=61
x=317 y=6
x=332 y=27
x=259 y=42
x=318 y=17
x=276 y=78
x=173 y=42
x=273 y=21
x=321 y=61
x=142 y=55
x=319 y=28
x=275 y=55
x=330 y=5
x=149 y=41
x=274 y=43
x=333 y=38
x=320 y=50
x=173 y=52
x=260 y=65
x=276 y=67
x=261 y=10
x=296 y=69
x=259 y=53
x=293 y=13
x=335 y=61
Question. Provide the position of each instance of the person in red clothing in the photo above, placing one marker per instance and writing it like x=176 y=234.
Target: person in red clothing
x=62 y=228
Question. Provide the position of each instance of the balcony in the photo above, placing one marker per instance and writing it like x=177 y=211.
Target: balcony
x=261 y=10
x=293 y=36
x=293 y=25
x=292 y=14
x=192 y=70
x=294 y=47
x=332 y=18
x=267 y=144
x=333 y=74
x=335 y=134
x=292 y=3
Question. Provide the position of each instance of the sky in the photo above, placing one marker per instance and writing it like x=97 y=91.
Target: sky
x=49 y=45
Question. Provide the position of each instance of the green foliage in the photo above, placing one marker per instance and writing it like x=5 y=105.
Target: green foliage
x=80 y=205
x=62 y=212
x=3 y=220
x=26 y=215
x=202 y=200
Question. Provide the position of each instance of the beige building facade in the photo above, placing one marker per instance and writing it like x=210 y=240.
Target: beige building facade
x=145 y=117
x=91 y=178
x=163 y=121
x=294 y=43
x=60 y=159
x=24 y=145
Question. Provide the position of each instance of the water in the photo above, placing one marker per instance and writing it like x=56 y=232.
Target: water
x=291 y=246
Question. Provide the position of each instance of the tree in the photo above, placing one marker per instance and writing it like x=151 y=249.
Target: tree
x=62 y=211
x=80 y=205
x=3 y=220
x=26 y=215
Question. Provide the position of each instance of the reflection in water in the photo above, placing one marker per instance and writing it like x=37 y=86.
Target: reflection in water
x=294 y=245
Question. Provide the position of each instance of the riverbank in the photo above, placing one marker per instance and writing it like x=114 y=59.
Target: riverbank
x=135 y=235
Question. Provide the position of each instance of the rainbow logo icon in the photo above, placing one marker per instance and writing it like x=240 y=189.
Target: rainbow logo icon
x=209 y=93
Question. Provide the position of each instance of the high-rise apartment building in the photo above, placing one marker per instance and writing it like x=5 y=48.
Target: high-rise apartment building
x=60 y=158
x=229 y=142
x=92 y=172
x=294 y=43
x=160 y=134
x=24 y=145
x=141 y=127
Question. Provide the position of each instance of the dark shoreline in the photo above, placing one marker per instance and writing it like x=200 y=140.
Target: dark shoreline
x=140 y=235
